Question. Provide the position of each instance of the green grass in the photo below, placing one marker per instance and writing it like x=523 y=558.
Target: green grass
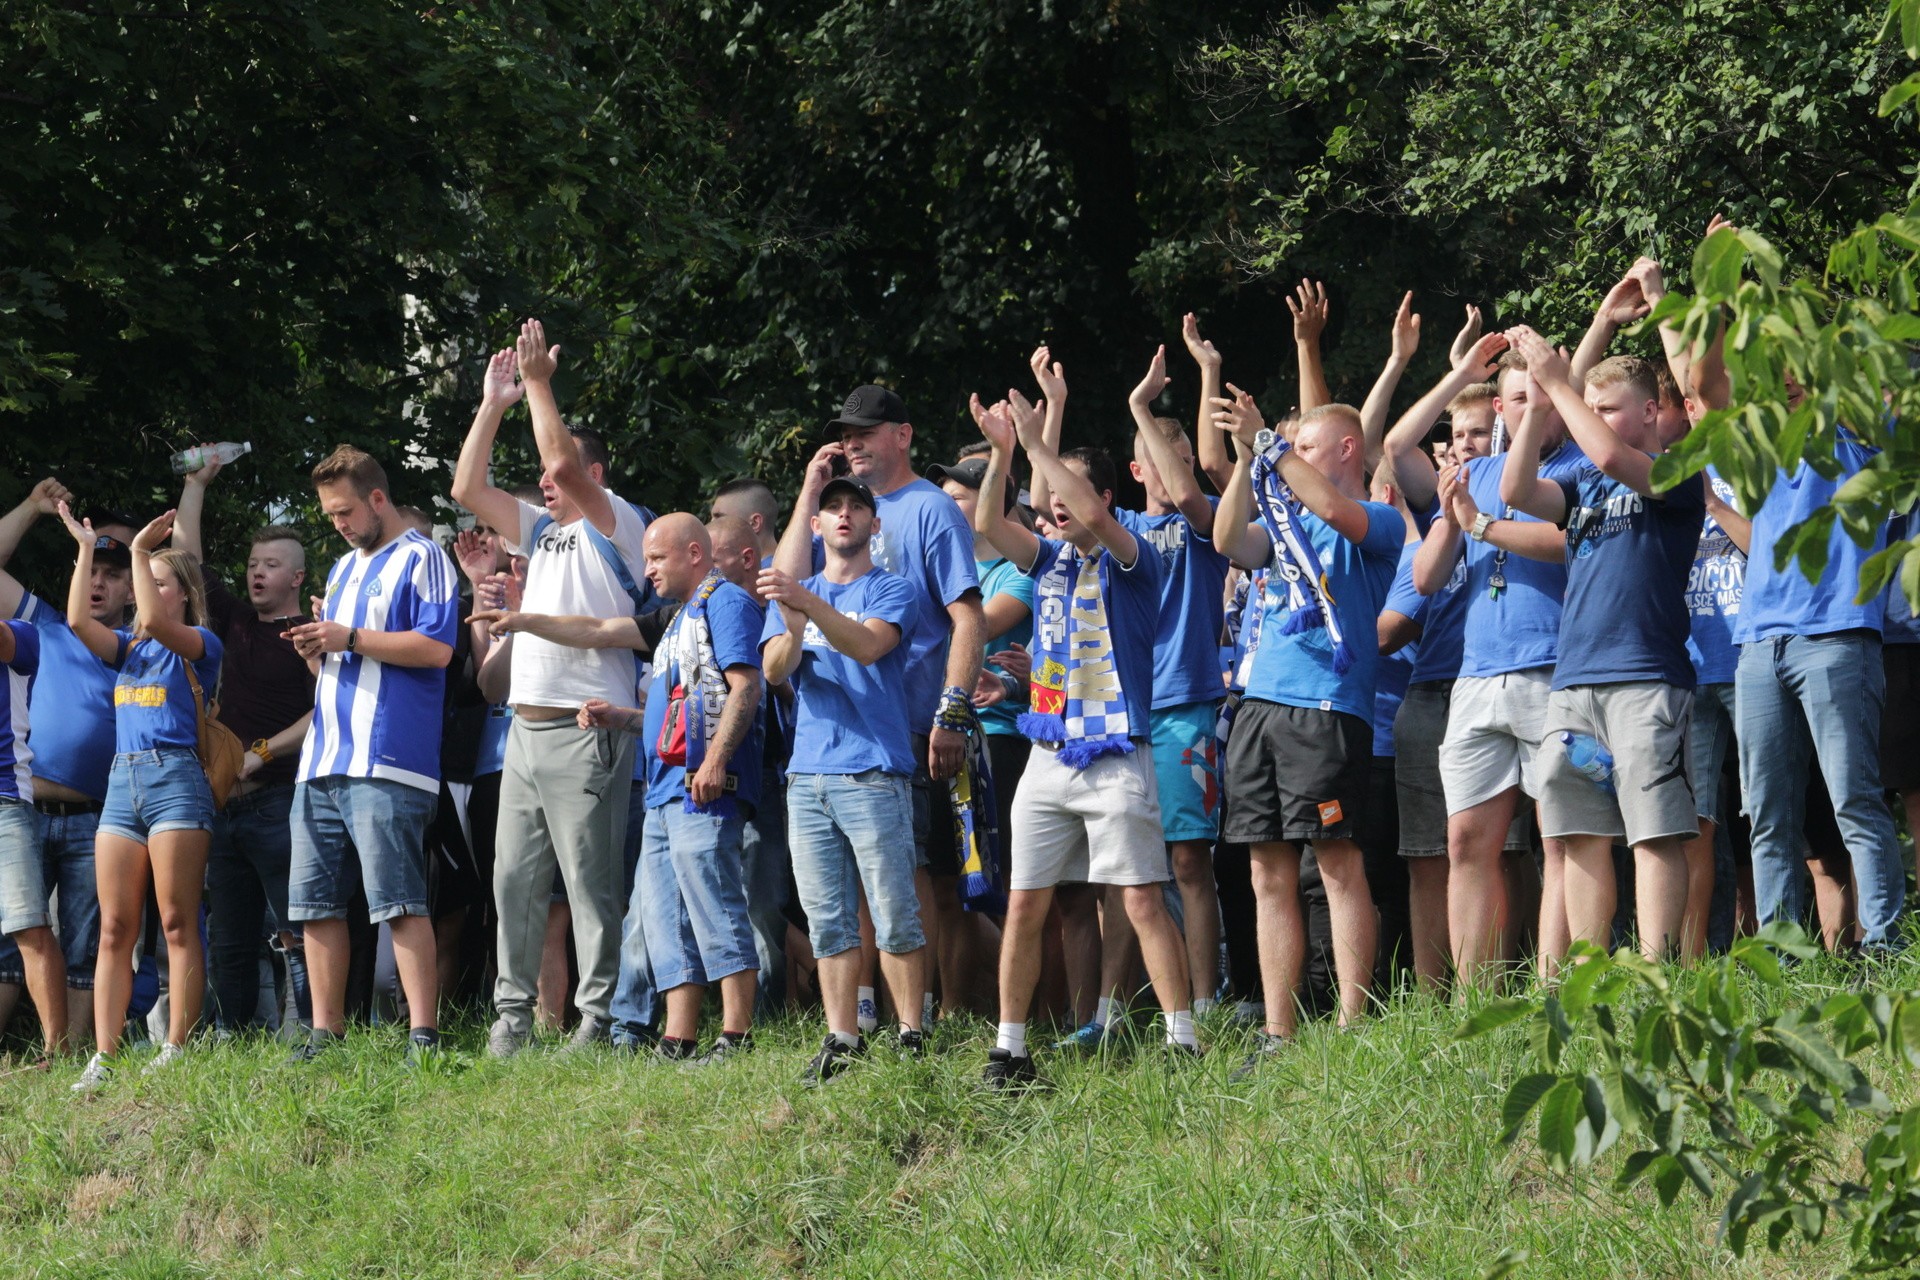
x=1365 y=1154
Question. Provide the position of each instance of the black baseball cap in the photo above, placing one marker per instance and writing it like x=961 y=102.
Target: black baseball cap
x=868 y=406
x=110 y=550
x=847 y=484
x=971 y=472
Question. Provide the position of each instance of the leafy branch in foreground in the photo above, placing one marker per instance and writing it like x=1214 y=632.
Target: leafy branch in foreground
x=1706 y=1091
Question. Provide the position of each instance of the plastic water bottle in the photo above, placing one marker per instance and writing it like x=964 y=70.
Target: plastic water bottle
x=1590 y=758
x=195 y=458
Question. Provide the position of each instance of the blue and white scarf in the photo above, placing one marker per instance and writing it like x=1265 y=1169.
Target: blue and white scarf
x=1310 y=602
x=1077 y=700
x=690 y=665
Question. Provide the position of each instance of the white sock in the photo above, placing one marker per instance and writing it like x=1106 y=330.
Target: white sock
x=1013 y=1038
x=1203 y=1006
x=1180 y=1028
x=868 y=1022
x=1106 y=1011
x=849 y=1039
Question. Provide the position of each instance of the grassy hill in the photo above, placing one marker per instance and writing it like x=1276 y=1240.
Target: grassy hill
x=1365 y=1154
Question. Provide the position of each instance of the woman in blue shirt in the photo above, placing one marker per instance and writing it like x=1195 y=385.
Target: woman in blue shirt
x=159 y=809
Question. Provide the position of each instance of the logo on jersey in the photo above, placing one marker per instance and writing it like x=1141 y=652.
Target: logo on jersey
x=373 y=588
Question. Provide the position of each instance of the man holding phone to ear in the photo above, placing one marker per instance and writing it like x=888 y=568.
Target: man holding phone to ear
x=266 y=698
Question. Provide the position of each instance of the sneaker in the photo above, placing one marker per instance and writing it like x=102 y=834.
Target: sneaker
x=97 y=1074
x=671 y=1049
x=1005 y=1072
x=312 y=1047
x=1264 y=1052
x=1090 y=1038
x=169 y=1054
x=592 y=1033
x=422 y=1043
x=834 y=1057
x=503 y=1041
x=913 y=1044
x=728 y=1044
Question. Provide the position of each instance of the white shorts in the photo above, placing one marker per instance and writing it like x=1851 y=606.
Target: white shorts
x=1100 y=824
x=1494 y=727
x=1644 y=725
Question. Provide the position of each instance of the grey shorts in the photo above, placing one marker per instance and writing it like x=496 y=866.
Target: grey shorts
x=1493 y=736
x=1100 y=824
x=1644 y=725
x=1417 y=733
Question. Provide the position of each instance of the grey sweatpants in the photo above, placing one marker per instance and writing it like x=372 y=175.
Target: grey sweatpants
x=563 y=798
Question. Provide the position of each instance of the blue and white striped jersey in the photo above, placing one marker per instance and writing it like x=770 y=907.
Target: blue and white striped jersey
x=16 y=759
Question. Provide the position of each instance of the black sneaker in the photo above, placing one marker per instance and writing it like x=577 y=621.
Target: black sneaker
x=1180 y=1055
x=671 y=1049
x=422 y=1043
x=318 y=1041
x=1005 y=1072
x=1263 y=1053
x=728 y=1044
x=834 y=1057
x=913 y=1044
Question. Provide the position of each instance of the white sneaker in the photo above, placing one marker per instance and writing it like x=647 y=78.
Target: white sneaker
x=169 y=1054
x=97 y=1074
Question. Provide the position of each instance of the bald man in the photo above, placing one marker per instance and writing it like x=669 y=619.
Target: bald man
x=736 y=550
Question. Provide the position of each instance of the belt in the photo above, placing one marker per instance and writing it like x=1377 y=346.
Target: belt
x=67 y=808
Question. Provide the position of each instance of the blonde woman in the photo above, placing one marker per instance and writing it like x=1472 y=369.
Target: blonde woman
x=159 y=812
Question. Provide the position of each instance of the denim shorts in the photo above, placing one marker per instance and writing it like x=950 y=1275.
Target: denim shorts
x=23 y=884
x=845 y=832
x=1710 y=741
x=153 y=792
x=367 y=833
x=694 y=897
x=66 y=862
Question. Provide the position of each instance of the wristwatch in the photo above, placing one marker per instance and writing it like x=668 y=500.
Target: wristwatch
x=1480 y=523
x=263 y=750
x=353 y=638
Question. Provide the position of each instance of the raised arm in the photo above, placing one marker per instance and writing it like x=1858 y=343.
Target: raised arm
x=1051 y=377
x=149 y=613
x=1175 y=473
x=1085 y=504
x=1653 y=287
x=1520 y=484
x=865 y=642
x=1309 y=307
x=97 y=636
x=193 y=501
x=473 y=487
x=1009 y=537
x=1412 y=471
x=1210 y=447
x=559 y=454
x=794 y=555
x=1235 y=534
x=1439 y=551
x=44 y=500
x=1602 y=445
x=1529 y=538
x=1373 y=414
x=1625 y=303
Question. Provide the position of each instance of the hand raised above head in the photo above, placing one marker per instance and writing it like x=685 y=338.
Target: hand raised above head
x=1464 y=340
x=1199 y=348
x=158 y=530
x=1049 y=375
x=1029 y=420
x=501 y=384
x=1406 y=330
x=1154 y=382
x=536 y=359
x=1238 y=416
x=1309 y=307
x=48 y=495
x=81 y=530
x=1625 y=303
x=995 y=423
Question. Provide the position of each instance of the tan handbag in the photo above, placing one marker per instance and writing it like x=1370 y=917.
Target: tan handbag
x=221 y=754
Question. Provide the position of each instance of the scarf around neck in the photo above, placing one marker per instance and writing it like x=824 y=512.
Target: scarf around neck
x=1310 y=603
x=1077 y=698
x=692 y=667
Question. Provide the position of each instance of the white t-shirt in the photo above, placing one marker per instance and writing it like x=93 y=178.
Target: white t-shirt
x=568 y=574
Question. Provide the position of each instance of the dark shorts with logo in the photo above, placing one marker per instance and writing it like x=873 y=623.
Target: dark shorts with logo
x=1295 y=774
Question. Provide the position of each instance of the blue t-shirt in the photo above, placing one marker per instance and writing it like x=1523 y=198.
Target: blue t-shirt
x=849 y=718
x=74 y=732
x=1443 y=631
x=1900 y=627
x=1297 y=670
x=1713 y=596
x=16 y=758
x=153 y=703
x=1520 y=628
x=1782 y=602
x=1003 y=578
x=1132 y=599
x=492 y=754
x=1396 y=668
x=1186 y=647
x=1628 y=560
x=734 y=619
x=924 y=539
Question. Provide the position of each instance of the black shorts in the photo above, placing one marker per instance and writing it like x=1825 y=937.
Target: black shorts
x=1295 y=773
x=937 y=843
x=1900 y=719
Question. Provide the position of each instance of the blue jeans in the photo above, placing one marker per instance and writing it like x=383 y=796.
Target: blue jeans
x=845 y=830
x=247 y=868
x=764 y=859
x=1817 y=698
x=66 y=859
x=634 y=996
x=695 y=904
x=358 y=833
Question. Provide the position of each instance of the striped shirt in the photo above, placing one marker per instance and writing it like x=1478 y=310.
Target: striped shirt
x=372 y=719
x=16 y=759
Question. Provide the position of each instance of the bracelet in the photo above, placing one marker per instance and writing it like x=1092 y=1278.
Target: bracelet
x=956 y=710
x=353 y=638
x=1015 y=690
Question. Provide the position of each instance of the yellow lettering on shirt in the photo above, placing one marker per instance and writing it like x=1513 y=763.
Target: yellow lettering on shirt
x=140 y=695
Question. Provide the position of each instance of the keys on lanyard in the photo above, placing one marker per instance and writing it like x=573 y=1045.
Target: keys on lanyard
x=1496 y=584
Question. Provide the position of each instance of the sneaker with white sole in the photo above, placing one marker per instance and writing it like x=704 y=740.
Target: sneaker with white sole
x=97 y=1074
x=169 y=1054
x=503 y=1041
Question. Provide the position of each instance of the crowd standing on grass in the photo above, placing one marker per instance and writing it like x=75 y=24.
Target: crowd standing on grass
x=1414 y=703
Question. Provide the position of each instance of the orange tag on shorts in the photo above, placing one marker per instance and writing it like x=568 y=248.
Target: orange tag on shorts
x=1330 y=813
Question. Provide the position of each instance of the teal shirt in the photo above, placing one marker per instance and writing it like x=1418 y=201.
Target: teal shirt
x=1003 y=578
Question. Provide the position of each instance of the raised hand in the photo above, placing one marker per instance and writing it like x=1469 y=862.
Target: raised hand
x=784 y=588
x=820 y=467
x=158 y=530
x=1463 y=341
x=1406 y=330
x=1545 y=365
x=1309 y=307
x=1624 y=303
x=1455 y=500
x=1483 y=357
x=1239 y=416
x=1049 y=375
x=204 y=475
x=1653 y=283
x=48 y=495
x=476 y=553
x=82 y=530
x=1155 y=382
x=1029 y=420
x=996 y=424
x=501 y=386
x=1199 y=348
x=1719 y=222
x=536 y=359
